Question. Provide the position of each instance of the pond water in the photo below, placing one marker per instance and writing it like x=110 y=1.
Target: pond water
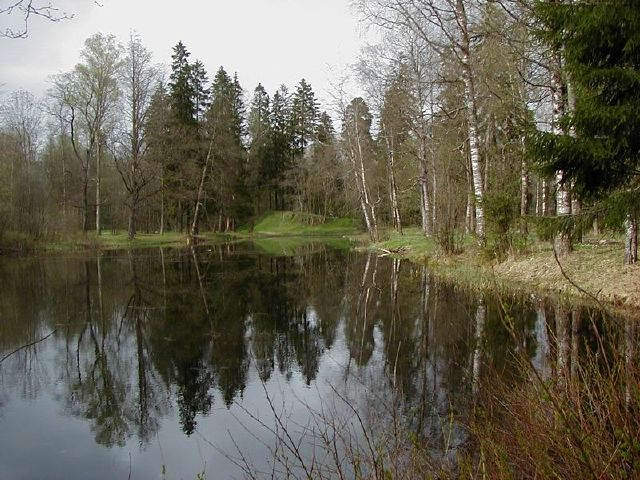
x=172 y=363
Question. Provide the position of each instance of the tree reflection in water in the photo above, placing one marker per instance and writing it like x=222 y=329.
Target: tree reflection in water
x=146 y=335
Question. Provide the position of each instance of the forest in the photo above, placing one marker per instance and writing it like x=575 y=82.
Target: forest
x=426 y=268
x=493 y=119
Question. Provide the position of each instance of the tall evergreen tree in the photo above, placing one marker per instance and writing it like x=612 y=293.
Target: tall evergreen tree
x=225 y=123
x=259 y=122
x=304 y=117
x=259 y=132
x=181 y=86
x=201 y=94
x=159 y=140
x=182 y=170
x=600 y=151
x=281 y=143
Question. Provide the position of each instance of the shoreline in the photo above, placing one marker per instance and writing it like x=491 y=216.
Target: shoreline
x=597 y=268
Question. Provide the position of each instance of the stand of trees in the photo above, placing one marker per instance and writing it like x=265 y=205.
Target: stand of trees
x=478 y=117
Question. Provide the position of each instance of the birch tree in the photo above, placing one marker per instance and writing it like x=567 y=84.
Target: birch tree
x=138 y=78
x=447 y=27
x=357 y=146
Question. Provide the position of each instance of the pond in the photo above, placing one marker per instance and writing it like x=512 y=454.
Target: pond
x=179 y=363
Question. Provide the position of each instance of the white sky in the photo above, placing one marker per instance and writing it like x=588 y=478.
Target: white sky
x=268 y=41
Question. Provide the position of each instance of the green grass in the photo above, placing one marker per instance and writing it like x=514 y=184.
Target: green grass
x=411 y=244
x=302 y=224
x=280 y=224
x=111 y=241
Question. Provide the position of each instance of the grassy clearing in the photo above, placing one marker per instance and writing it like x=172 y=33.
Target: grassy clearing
x=302 y=224
x=284 y=225
x=111 y=241
x=79 y=242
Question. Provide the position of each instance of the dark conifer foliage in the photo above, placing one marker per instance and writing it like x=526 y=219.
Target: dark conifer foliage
x=304 y=117
x=600 y=150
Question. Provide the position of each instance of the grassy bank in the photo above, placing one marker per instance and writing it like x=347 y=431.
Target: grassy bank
x=596 y=266
x=285 y=223
x=291 y=229
x=21 y=245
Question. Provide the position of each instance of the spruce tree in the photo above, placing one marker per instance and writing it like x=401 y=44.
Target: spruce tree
x=225 y=123
x=259 y=122
x=304 y=117
x=259 y=131
x=181 y=86
x=600 y=152
x=281 y=143
x=201 y=94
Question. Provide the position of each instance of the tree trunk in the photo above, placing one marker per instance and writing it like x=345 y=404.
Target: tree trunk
x=423 y=179
x=205 y=168
x=563 y=209
x=524 y=197
x=393 y=193
x=425 y=201
x=365 y=194
x=98 y=161
x=85 y=205
x=132 y=218
x=472 y=118
x=162 y=203
x=631 y=240
x=562 y=240
x=470 y=217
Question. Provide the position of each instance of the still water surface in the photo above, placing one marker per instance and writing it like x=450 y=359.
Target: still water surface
x=161 y=362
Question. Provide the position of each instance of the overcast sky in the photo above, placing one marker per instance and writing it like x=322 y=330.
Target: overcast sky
x=268 y=41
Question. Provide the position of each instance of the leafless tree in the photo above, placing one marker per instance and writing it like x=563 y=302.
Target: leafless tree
x=138 y=78
x=25 y=11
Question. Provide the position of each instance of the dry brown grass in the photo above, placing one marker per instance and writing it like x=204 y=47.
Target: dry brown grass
x=598 y=269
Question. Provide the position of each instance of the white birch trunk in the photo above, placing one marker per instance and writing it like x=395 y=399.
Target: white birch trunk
x=472 y=118
x=393 y=193
x=562 y=339
x=425 y=202
x=365 y=190
x=481 y=313
x=541 y=359
x=563 y=199
x=631 y=240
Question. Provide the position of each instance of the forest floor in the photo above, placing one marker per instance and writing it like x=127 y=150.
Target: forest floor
x=594 y=271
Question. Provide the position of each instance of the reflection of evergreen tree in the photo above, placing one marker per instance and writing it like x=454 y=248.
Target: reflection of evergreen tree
x=229 y=356
x=137 y=337
x=180 y=347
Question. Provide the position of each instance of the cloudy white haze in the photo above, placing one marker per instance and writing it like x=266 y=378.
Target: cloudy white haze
x=268 y=41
